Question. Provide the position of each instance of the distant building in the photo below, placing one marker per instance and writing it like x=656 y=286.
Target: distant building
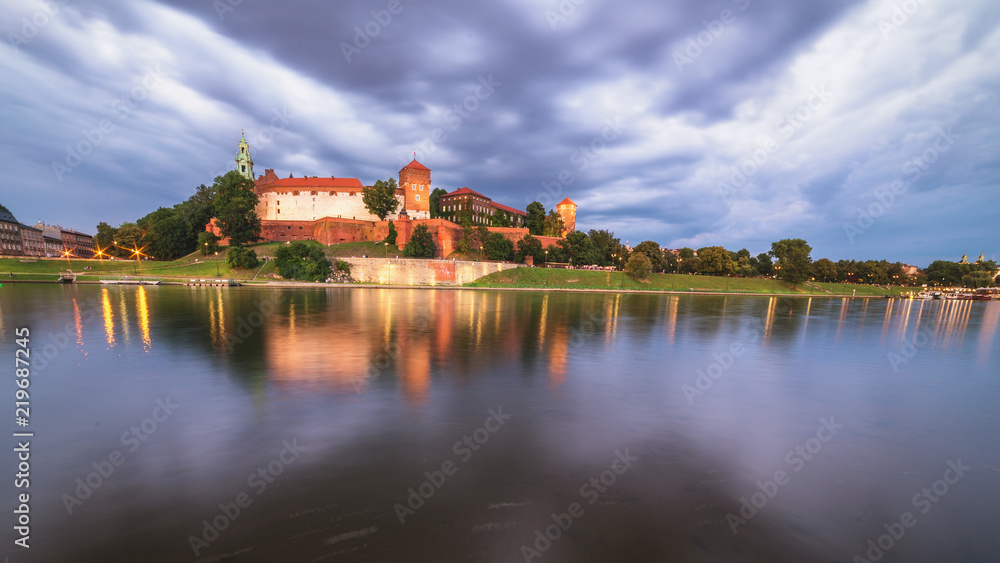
x=32 y=241
x=10 y=234
x=57 y=240
x=567 y=210
x=478 y=208
x=415 y=181
x=244 y=164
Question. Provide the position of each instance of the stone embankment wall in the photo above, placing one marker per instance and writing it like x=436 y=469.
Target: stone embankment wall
x=410 y=271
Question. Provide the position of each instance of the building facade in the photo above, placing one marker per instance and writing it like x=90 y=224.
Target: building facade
x=10 y=234
x=480 y=209
x=32 y=241
x=244 y=163
x=415 y=181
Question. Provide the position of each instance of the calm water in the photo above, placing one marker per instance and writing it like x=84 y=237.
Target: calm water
x=713 y=428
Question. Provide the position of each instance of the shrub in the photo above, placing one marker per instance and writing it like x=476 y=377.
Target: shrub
x=639 y=266
x=241 y=257
x=301 y=261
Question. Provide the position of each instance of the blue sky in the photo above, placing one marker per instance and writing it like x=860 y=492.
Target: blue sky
x=870 y=129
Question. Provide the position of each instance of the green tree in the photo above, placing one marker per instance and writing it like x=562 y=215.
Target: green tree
x=380 y=199
x=793 y=260
x=302 y=261
x=652 y=251
x=606 y=248
x=578 y=249
x=687 y=263
x=716 y=261
x=535 y=220
x=639 y=266
x=498 y=247
x=977 y=279
x=391 y=237
x=530 y=246
x=127 y=237
x=435 y=202
x=235 y=207
x=824 y=270
x=553 y=224
x=242 y=257
x=105 y=238
x=421 y=243
x=168 y=236
x=208 y=243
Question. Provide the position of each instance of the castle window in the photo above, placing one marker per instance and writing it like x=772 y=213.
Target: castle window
x=313 y=193
x=295 y=193
x=417 y=197
x=279 y=211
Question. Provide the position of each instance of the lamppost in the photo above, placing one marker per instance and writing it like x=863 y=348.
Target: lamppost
x=482 y=255
x=217 y=274
x=546 y=259
x=614 y=261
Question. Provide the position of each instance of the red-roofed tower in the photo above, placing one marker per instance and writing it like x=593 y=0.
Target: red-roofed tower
x=567 y=210
x=415 y=181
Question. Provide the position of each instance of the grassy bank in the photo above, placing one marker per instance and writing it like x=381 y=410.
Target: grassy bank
x=543 y=278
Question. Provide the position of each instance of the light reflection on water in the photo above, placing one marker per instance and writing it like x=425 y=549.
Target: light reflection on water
x=711 y=393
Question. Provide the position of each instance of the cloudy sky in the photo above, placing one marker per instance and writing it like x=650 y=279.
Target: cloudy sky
x=868 y=128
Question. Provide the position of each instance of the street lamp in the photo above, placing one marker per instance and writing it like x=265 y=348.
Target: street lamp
x=482 y=255
x=546 y=263
x=217 y=263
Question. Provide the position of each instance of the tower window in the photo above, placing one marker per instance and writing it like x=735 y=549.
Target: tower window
x=418 y=197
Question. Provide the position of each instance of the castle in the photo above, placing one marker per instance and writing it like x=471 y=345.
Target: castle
x=331 y=210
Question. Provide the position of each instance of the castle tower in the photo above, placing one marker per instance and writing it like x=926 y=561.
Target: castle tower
x=965 y=259
x=244 y=163
x=567 y=210
x=982 y=258
x=415 y=181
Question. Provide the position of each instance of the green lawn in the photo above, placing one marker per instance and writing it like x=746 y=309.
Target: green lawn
x=587 y=279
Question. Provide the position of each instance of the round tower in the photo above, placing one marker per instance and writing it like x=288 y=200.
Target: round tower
x=567 y=210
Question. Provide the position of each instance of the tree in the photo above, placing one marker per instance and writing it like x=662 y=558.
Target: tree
x=529 y=246
x=208 y=243
x=578 y=248
x=652 y=251
x=639 y=266
x=669 y=261
x=498 y=247
x=435 y=202
x=606 y=248
x=127 y=237
x=168 y=236
x=793 y=260
x=421 y=243
x=824 y=270
x=978 y=279
x=535 y=220
x=242 y=257
x=235 y=207
x=391 y=237
x=105 y=237
x=380 y=199
x=301 y=261
x=687 y=263
x=715 y=260
x=553 y=224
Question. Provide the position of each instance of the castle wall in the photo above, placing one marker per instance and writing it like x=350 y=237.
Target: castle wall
x=312 y=205
x=406 y=271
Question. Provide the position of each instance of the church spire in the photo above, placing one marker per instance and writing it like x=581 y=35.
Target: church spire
x=244 y=163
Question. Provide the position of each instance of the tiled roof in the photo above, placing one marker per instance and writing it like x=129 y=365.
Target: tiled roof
x=566 y=201
x=508 y=209
x=463 y=191
x=416 y=165
x=317 y=183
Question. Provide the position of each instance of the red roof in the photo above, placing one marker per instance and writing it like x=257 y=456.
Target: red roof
x=414 y=164
x=463 y=191
x=567 y=201
x=503 y=207
x=317 y=183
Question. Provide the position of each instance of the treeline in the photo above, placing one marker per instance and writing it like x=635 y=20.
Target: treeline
x=171 y=232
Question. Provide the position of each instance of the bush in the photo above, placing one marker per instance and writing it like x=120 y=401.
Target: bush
x=498 y=247
x=241 y=257
x=639 y=266
x=421 y=244
x=211 y=240
x=301 y=261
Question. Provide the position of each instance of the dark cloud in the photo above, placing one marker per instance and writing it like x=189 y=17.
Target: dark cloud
x=561 y=77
